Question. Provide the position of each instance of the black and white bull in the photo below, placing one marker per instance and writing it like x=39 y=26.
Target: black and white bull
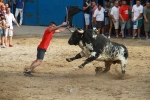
x=97 y=47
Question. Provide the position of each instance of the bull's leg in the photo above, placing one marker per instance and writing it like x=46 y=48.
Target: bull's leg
x=78 y=56
x=123 y=65
x=92 y=57
x=98 y=70
x=107 y=66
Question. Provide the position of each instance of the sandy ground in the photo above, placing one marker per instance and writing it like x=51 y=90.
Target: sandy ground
x=56 y=79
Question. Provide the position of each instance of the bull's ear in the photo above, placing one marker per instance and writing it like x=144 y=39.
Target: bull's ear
x=81 y=31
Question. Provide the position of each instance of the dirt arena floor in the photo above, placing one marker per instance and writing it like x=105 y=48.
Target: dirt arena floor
x=56 y=79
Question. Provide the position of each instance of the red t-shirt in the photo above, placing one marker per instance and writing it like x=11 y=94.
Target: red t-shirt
x=124 y=12
x=46 y=39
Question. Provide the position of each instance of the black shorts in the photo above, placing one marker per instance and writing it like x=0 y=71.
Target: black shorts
x=100 y=24
x=2 y=32
x=40 y=53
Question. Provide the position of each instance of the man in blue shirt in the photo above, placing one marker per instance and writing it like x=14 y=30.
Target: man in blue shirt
x=19 y=9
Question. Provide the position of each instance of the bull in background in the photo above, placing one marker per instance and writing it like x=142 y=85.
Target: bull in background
x=97 y=47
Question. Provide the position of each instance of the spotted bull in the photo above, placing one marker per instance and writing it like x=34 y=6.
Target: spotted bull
x=97 y=47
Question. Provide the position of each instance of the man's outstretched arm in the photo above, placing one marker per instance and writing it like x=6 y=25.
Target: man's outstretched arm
x=57 y=27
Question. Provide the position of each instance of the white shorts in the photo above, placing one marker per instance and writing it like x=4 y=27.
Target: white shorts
x=87 y=19
x=9 y=32
x=116 y=24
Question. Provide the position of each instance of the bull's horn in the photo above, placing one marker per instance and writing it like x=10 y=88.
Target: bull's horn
x=71 y=31
x=81 y=31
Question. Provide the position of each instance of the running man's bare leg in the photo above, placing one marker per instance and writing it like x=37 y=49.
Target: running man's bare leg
x=35 y=63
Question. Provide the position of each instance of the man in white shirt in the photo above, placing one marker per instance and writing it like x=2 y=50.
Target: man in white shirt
x=115 y=17
x=9 y=31
x=98 y=18
x=137 y=12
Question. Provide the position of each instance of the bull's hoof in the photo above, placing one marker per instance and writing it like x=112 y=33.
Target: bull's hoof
x=122 y=77
x=68 y=59
x=80 y=66
x=98 y=70
x=105 y=71
x=123 y=74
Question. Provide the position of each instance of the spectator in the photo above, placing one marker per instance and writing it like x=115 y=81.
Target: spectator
x=99 y=19
x=93 y=10
x=120 y=3
x=3 y=11
x=110 y=20
x=1 y=3
x=147 y=19
x=6 y=5
x=129 y=25
x=137 y=18
x=86 y=9
x=2 y=32
x=11 y=4
x=9 y=31
x=19 y=10
x=3 y=25
x=106 y=18
x=115 y=17
x=112 y=1
x=124 y=16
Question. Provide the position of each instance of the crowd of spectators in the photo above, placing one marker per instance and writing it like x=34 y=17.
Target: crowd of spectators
x=6 y=25
x=124 y=16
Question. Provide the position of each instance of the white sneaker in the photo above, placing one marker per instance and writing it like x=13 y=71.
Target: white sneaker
x=133 y=37
x=3 y=46
x=108 y=37
x=147 y=38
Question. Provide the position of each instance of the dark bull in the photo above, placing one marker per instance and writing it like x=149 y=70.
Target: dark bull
x=97 y=47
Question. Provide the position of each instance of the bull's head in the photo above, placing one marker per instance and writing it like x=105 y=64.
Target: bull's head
x=76 y=37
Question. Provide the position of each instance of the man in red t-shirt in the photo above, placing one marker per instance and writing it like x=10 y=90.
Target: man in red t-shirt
x=41 y=49
x=124 y=16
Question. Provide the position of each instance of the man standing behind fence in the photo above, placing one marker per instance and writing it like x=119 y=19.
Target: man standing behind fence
x=9 y=30
x=94 y=5
x=1 y=3
x=19 y=9
x=115 y=17
x=86 y=9
x=137 y=18
x=124 y=16
x=147 y=19
x=99 y=19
